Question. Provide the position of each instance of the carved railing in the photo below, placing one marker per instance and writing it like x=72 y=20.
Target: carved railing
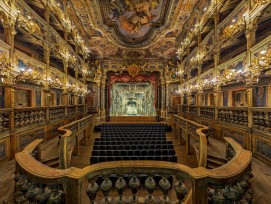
x=235 y=115
x=207 y=111
x=173 y=109
x=193 y=110
x=29 y=116
x=71 y=134
x=4 y=119
x=71 y=110
x=262 y=119
x=185 y=108
x=230 y=183
x=197 y=130
x=91 y=109
x=56 y=112
x=80 y=109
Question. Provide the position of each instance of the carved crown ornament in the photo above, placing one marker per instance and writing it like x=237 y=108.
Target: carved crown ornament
x=31 y=73
x=230 y=30
x=28 y=23
x=5 y=67
x=260 y=63
x=54 y=81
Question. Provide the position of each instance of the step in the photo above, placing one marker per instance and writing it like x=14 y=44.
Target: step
x=53 y=162
x=215 y=162
x=210 y=166
x=216 y=158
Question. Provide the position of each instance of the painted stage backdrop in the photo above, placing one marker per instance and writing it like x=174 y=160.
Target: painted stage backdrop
x=132 y=99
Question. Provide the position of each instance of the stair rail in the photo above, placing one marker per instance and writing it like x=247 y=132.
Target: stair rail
x=192 y=128
x=70 y=137
x=229 y=183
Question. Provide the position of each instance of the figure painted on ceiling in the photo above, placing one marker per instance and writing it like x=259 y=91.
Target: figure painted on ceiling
x=132 y=15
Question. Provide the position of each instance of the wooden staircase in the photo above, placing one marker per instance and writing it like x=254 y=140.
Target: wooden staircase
x=51 y=162
x=49 y=151
x=215 y=161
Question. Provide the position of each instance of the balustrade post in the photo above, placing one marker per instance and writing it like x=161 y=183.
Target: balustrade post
x=73 y=191
x=92 y=191
x=134 y=184
x=106 y=187
x=187 y=145
x=250 y=115
x=199 y=191
x=150 y=185
x=9 y=103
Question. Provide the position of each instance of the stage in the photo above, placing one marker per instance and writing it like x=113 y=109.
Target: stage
x=133 y=119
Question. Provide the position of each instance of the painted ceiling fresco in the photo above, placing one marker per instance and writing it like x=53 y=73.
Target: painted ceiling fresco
x=134 y=20
x=130 y=28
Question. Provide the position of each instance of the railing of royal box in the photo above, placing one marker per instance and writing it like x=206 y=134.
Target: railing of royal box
x=70 y=136
x=230 y=183
x=4 y=119
x=207 y=111
x=262 y=119
x=235 y=115
x=29 y=116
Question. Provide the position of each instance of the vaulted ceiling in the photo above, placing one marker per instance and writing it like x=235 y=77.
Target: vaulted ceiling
x=133 y=28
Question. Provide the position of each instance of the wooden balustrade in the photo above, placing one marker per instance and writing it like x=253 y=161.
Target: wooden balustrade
x=193 y=109
x=235 y=115
x=262 y=119
x=230 y=183
x=4 y=119
x=71 y=110
x=91 y=109
x=184 y=108
x=29 y=116
x=70 y=137
x=173 y=109
x=56 y=112
x=207 y=111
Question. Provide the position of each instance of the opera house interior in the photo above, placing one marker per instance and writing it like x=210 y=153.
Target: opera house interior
x=135 y=101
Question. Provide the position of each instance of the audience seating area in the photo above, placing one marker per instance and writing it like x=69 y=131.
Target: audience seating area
x=132 y=142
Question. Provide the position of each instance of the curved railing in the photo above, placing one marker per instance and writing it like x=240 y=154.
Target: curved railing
x=70 y=136
x=191 y=128
x=230 y=182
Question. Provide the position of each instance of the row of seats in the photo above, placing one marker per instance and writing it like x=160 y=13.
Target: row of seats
x=132 y=139
x=133 y=147
x=131 y=124
x=151 y=152
x=137 y=142
x=132 y=142
x=132 y=135
x=98 y=159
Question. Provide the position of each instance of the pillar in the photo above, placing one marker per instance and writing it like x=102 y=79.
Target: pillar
x=103 y=92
